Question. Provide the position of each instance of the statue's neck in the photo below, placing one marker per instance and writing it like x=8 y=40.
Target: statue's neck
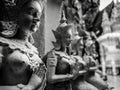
x=23 y=35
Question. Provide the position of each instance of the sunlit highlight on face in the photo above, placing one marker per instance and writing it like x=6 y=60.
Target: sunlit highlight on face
x=29 y=18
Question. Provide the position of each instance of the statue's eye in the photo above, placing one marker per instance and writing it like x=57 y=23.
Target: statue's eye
x=33 y=12
x=30 y=11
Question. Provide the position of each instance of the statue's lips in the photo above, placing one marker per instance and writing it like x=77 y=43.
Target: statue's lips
x=34 y=25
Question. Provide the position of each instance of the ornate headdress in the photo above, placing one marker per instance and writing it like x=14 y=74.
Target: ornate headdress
x=61 y=30
x=9 y=11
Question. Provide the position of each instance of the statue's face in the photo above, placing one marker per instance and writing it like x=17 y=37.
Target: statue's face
x=90 y=45
x=88 y=42
x=67 y=38
x=93 y=47
x=80 y=45
x=29 y=18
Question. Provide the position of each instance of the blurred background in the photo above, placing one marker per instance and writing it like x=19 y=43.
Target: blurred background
x=53 y=17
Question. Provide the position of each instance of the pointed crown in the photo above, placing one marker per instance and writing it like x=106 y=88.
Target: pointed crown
x=62 y=27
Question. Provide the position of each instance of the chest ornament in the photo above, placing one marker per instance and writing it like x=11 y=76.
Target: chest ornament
x=25 y=48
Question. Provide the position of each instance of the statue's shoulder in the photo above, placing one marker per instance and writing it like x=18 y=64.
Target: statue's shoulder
x=4 y=41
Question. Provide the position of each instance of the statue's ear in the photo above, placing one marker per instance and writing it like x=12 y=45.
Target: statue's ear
x=56 y=34
x=56 y=45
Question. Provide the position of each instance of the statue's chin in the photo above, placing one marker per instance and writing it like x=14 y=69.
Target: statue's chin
x=34 y=28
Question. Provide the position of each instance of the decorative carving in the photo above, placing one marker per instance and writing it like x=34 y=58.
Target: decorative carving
x=10 y=2
x=8 y=28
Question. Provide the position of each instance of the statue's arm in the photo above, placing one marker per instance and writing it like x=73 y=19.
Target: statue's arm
x=52 y=77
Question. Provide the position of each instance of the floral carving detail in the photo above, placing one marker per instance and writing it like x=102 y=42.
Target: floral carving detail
x=9 y=28
x=8 y=25
x=10 y=2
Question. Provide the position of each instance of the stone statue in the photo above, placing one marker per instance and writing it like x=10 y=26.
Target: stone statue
x=93 y=75
x=58 y=61
x=21 y=68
